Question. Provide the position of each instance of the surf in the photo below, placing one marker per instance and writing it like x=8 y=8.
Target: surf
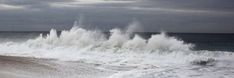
x=123 y=51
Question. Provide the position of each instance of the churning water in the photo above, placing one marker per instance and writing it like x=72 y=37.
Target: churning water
x=122 y=53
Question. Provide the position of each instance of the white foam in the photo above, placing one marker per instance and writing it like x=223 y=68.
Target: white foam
x=78 y=44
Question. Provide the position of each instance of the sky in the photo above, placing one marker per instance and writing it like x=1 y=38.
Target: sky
x=187 y=16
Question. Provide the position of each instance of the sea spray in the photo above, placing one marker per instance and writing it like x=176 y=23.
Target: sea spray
x=82 y=38
x=123 y=52
x=79 y=43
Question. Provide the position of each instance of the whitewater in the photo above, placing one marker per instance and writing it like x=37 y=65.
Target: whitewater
x=122 y=54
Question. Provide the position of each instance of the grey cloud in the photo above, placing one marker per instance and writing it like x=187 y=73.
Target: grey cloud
x=155 y=15
x=225 y=6
x=196 y=4
x=31 y=4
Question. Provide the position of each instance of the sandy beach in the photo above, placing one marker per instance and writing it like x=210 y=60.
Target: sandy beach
x=26 y=67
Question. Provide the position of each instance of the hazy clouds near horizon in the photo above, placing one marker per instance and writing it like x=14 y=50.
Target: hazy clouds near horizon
x=199 y=16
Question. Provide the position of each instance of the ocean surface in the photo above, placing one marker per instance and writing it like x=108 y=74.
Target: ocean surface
x=82 y=53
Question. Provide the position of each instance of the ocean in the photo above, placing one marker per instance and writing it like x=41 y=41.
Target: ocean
x=82 y=53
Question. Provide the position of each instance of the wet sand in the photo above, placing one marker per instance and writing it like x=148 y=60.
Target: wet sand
x=26 y=67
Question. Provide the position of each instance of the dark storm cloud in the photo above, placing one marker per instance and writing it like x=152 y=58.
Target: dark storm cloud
x=209 y=16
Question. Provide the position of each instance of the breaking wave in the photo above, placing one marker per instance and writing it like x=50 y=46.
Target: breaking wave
x=118 y=41
x=81 y=44
x=78 y=40
x=120 y=48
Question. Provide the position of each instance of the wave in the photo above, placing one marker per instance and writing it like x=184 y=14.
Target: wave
x=96 y=41
x=79 y=43
x=118 y=40
x=159 y=52
x=74 y=43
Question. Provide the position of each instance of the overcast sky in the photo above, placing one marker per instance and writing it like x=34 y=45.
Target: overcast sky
x=199 y=16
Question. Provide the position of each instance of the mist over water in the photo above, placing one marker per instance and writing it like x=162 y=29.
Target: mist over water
x=126 y=54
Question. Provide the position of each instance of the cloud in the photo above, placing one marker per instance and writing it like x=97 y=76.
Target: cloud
x=102 y=1
x=32 y=4
x=10 y=7
x=173 y=10
x=193 y=4
x=171 y=15
x=178 y=6
x=88 y=3
x=48 y=4
x=215 y=7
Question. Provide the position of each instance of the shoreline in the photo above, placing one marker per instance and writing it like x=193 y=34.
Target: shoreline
x=27 y=67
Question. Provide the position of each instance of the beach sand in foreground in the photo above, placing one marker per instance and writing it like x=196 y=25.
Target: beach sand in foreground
x=26 y=67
